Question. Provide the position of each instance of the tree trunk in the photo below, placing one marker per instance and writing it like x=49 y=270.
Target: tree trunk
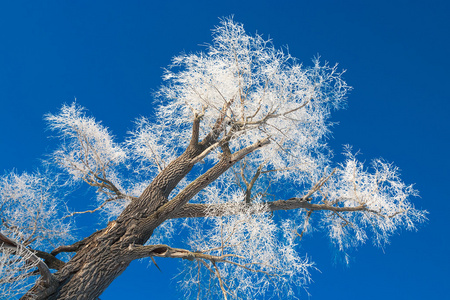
x=103 y=256
x=101 y=259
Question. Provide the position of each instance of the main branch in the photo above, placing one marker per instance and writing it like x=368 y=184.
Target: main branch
x=223 y=209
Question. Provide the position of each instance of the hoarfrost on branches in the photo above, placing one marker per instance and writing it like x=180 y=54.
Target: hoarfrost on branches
x=31 y=215
x=16 y=272
x=383 y=195
x=256 y=259
x=149 y=147
x=30 y=211
x=235 y=166
x=88 y=151
x=261 y=91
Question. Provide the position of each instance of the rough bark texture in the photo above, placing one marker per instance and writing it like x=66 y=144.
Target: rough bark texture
x=104 y=255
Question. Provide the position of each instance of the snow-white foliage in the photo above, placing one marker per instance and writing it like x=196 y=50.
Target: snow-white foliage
x=31 y=214
x=88 y=151
x=262 y=91
x=383 y=195
x=260 y=256
x=243 y=90
x=150 y=147
x=15 y=269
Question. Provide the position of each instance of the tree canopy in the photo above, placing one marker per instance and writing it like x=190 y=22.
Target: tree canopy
x=229 y=175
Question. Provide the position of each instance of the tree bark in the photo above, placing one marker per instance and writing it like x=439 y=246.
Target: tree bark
x=104 y=255
x=101 y=258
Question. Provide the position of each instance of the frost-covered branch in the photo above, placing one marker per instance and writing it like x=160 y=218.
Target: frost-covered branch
x=15 y=270
x=209 y=261
x=9 y=246
x=88 y=151
x=381 y=195
x=31 y=214
x=137 y=252
x=205 y=210
x=248 y=91
x=241 y=100
x=96 y=209
x=31 y=211
x=171 y=207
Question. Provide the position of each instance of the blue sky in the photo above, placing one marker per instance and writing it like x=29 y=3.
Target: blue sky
x=109 y=55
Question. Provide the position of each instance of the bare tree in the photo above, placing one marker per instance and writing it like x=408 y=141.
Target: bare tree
x=236 y=158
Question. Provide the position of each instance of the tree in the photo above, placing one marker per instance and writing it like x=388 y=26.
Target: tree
x=236 y=157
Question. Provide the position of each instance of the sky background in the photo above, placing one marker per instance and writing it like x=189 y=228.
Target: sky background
x=109 y=55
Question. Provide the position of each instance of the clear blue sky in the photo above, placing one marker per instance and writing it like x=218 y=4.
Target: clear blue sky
x=110 y=54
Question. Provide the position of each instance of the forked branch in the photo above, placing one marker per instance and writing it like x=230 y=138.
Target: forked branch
x=138 y=252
